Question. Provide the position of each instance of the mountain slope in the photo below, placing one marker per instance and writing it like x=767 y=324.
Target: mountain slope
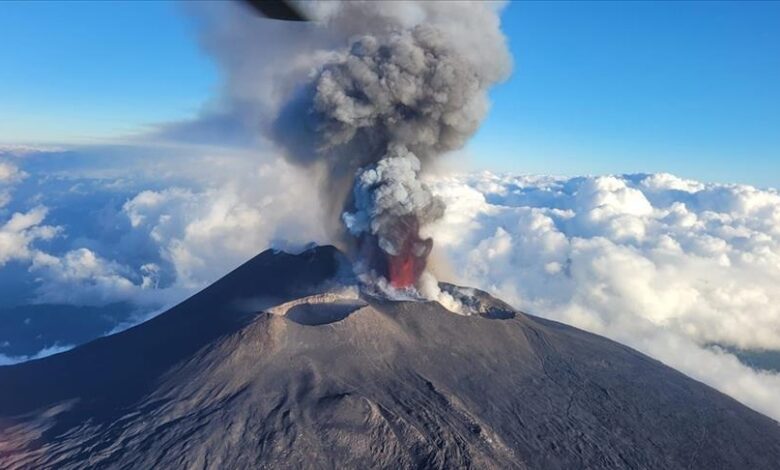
x=277 y=366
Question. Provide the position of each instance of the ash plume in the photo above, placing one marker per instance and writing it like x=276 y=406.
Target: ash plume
x=390 y=205
x=368 y=95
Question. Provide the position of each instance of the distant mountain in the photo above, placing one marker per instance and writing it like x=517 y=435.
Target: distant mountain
x=278 y=365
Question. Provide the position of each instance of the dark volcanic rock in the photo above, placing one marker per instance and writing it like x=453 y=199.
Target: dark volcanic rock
x=231 y=379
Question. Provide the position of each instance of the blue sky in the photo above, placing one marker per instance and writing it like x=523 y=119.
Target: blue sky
x=688 y=88
x=80 y=71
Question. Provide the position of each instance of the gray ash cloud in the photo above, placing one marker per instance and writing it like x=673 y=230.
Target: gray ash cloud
x=368 y=95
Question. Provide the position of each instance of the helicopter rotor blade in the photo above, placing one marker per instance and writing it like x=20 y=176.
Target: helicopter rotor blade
x=276 y=9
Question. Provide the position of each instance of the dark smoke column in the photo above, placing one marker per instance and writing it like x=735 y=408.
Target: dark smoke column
x=375 y=113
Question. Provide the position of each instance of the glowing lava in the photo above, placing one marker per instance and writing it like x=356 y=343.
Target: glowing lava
x=405 y=267
x=401 y=270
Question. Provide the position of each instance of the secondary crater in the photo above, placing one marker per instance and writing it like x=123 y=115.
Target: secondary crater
x=320 y=309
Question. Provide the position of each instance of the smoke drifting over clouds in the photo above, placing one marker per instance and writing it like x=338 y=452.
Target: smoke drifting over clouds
x=387 y=87
x=411 y=88
x=392 y=99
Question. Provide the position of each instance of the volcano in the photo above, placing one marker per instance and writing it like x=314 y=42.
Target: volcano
x=283 y=363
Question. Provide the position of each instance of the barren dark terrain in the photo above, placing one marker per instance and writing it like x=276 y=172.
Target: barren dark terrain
x=276 y=366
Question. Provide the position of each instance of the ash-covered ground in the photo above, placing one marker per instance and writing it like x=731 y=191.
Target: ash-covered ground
x=281 y=365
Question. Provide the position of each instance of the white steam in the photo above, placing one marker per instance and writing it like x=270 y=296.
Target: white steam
x=387 y=192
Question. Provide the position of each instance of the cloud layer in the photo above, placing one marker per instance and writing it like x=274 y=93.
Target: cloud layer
x=148 y=230
x=672 y=267
x=666 y=265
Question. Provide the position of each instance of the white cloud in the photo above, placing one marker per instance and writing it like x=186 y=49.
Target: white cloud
x=19 y=232
x=203 y=233
x=205 y=212
x=666 y=265
x=81 y=277
x=77 y=276
x=19 y=150
x=55 y=349
x=9 y=175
